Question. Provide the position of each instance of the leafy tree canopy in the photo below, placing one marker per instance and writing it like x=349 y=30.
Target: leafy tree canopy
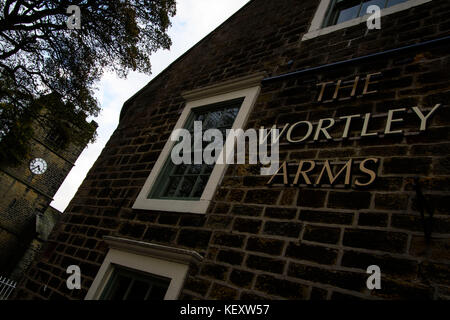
x=43 y=63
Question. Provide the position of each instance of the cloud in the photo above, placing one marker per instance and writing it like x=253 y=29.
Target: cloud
x=193 y=21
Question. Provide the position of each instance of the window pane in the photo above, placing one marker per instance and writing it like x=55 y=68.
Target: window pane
x=120 y=287
x=172 y=186
x=394 y=2
x=367 y=4
x=200 y=186
x=348 y=14
x=138 y=290
x=157 y=293
x=186 y=187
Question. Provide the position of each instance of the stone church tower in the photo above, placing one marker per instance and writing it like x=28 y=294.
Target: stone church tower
x=27 y=190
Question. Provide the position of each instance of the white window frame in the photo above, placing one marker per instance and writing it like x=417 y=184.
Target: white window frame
x=164 y=261
x=247 y=87
x=316 y=28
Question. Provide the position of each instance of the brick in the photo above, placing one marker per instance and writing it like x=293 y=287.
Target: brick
x=265 y=245
x=326 y=217
x=349 y=200
x=321 y=234
x=229 y=240
x=341 y=279
x=194 y=238
x=407 y=165
x=391 y=201
x=402 y=290
x=160 y=234
x=214 y=271
x=219 y=222
x=375 y=240
x=230 y=256
x=242 y=279
x=245 y=210
x=286 y=229
x=399 y=267
x=265 y=264
x=247 y=225
x=220 y=292
x=312 y=253
x=373 y=219
x=280 y=213
x=262 y=196
x=280 y=287
x=311 y=198
x=169 y=219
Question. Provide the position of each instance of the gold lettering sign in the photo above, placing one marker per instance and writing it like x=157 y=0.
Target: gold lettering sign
x=325 y=174
x=335 y=89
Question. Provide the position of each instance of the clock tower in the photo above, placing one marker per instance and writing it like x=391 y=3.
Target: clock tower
x=27 y=191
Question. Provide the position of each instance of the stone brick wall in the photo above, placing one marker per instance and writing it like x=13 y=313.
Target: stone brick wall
x=282 y=242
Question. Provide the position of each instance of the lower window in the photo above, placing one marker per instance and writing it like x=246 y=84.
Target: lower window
x=135 y=270
x=127 y=284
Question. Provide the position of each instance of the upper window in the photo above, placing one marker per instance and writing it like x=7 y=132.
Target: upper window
x=191 y=187
x=344 y=10
x=188 y=181
x=332 y=15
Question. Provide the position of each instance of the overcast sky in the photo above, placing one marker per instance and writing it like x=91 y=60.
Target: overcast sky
x=193 y=21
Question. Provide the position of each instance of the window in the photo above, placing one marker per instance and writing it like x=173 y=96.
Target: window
x=133 y=285
x=344 y=10
x=190 y=188
x=188 y=181
x=332 y=15
x=135 y=270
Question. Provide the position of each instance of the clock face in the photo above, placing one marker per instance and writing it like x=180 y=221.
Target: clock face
x=38 y=166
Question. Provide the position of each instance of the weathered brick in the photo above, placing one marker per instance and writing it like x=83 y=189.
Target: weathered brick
x=373 y=219
x=220 y=292
x=229 y=240
x=342 y=279
x=375 y=240
x=286 y=229
x=322 y=234
x=247 y=225
x=265 y=264
x=326 y=217
x=403 y=268
x=311 y=198
x=241 y=278
x=194 y=238
x=280 y=287
x=407 y=165
x=262 y=196
x=160 y=234
x=280 y=213
x=230 y=256
x=391 y=201
x=265 y=245
x=313 y=253
x=349 y=200
x=214 y=271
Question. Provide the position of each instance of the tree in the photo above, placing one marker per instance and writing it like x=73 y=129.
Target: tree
x=43 y=62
